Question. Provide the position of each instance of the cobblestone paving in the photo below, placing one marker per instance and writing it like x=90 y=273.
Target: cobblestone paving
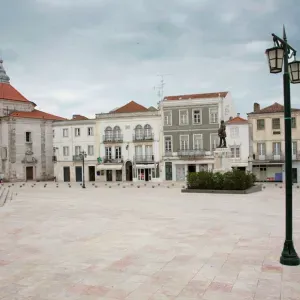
x=114 y=242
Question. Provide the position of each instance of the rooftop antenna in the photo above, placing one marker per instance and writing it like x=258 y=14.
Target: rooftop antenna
x=160 y=88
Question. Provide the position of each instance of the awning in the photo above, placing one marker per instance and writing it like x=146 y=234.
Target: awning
x=145 y=166
x=109 y=167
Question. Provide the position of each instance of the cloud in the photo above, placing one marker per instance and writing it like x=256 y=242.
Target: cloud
x=89 y=56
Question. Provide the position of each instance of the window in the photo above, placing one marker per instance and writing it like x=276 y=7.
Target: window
x=148 y=150
x=214 y=141
x=184 y=142
x=77 y=150
x=90 y=131
x=235 y=152
x=118 y=152
x=277 y=148
x=108 y=133
x=108 y=152
x=261 y=148
x=53 y=131
x=197 y=116
x=276 y=123
x=117 y=133
x=168 y=118
x=77 y=131
x=28 y=137
x=183 y=117
x=294 y=148
x=65 y=132
x=260 y=124
x=294 y=125
x=138 y=150
x=168 y=144
x=90 y=150
x=148 y=131
x=198 y=142
x=213 y=115
x=234 y=132
x=139 y=132
x=66 y=151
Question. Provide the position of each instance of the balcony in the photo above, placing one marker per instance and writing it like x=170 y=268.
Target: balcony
x=77 y=158
x=143 y=137
x=269 y=157
x=112 y=139
x=140 y=159
x=112 y=159
x=193 y=153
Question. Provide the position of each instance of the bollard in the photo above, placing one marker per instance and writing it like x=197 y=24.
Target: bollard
x=153 y=186
x=123 y=186
x=138 y=186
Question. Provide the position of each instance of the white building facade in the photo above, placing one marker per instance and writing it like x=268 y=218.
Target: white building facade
x=26 y=137
x=128 y=145
x=72 y=140
x=237 y=130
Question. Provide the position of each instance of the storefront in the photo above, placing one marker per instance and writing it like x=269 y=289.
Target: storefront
x=146 y=172
x=110 y=172
x=267 y=172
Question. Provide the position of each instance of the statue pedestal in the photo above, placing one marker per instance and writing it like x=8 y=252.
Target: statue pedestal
x=222 y=160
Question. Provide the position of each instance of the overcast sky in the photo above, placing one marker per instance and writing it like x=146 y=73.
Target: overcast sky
x=90 y=56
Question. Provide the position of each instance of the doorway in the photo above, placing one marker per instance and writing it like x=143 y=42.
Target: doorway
x=128 y=171
x=29 y=173
x=78 y=174
x=294 y=175
x=91 y=173
x=191 y=168
x=118 y=175
x=67 y=174
x=108 y=175
x=168 y=171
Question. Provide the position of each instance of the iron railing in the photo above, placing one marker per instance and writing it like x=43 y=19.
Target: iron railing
x=144 y=158
x=192 y=153
x=112 y=159
x=77 y=157
x=138 y=137
x=113 y=138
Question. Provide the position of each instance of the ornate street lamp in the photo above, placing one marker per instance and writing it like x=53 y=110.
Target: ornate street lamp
x=278 y=56
x=82 y=155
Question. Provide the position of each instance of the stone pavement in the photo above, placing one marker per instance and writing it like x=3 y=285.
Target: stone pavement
x=144 y=243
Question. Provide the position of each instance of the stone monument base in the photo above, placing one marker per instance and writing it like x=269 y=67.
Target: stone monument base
x=222 y=160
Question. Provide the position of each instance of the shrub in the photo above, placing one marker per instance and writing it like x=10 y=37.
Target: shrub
x=232 y=180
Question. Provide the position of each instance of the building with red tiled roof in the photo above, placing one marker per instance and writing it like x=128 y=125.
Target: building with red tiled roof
x=26 y=136
x=197 y=96
x=79 y=117
x=268 y=142
x=129 y=138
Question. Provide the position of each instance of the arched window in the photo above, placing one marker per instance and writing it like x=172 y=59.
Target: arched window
x=148 y=131
x=139 y=132
x=108 y=133
x=117 y=132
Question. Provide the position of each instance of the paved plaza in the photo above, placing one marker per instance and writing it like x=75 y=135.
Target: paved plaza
x=148 y=243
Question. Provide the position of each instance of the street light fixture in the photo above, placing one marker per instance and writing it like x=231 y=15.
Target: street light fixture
x=82 y=155
x=277 y=56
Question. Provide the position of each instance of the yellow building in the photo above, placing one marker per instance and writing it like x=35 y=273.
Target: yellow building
x=267 y=143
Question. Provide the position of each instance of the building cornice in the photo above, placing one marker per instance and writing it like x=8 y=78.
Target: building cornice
x=74 y=122
x=190 y=102
x=106 y=116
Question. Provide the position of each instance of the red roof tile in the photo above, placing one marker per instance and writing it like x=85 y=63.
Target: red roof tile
x=237 y=120
x=35 y=114
x=8 y=92
x=197 y=96
x=130 y=107
x=274 y=108
x=79 y=117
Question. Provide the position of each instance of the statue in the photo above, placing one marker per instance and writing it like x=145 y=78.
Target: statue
x=222 y=135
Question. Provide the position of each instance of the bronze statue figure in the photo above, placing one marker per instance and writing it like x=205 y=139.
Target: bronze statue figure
x=222 y=135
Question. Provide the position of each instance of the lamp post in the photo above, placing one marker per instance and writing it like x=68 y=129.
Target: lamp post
x=277 y=56
x=83 y=156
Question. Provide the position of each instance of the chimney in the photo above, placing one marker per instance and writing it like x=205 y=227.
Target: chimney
x=238 y=114
x=75 y=116
x=256 y=107
x=230 y=118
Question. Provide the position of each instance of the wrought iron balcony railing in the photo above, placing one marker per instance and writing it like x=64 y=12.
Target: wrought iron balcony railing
x=110 y=159
x=193 y=153
x=113 y=138
x=77 y=157
x=269 y=157
x=144 y=158
x=138 y=137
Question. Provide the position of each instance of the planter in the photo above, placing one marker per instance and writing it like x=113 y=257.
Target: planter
x=253 y=189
